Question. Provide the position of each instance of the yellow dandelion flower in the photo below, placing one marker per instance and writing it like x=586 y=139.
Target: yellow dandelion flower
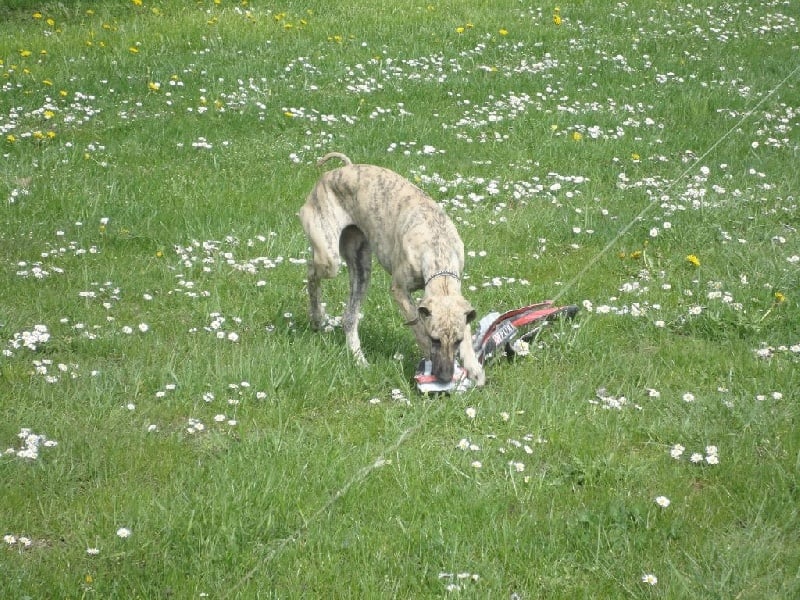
x=51 y=135
x=154 y=86
x=42 y=52
x=89 y=12
x=25 y=53
x=38 y=135
x=460 y=30
x=503 y=31
x=635 y=157
x=780 y=297
x=693 y=260
x=556 y=19
x=51 y=22
x=636 y=254
x=133 y=50
x=137 y=2
x=48 y=114
x=11 y=138
x=159 y=254
x=577 y=136
x=62 y=93
x=288 y=114
x=37 y=15
x=47 y=82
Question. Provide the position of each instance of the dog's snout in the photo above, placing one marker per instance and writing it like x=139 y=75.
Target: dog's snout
x=443 y=371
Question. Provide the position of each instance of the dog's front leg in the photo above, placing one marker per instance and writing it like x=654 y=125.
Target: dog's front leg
x=471 y=364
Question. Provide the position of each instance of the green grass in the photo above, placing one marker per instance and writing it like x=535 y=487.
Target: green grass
x=153 y=159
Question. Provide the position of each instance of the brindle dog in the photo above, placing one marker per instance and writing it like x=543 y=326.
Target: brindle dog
x=356 y=210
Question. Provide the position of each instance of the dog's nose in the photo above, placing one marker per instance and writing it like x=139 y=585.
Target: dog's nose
x=444 y=373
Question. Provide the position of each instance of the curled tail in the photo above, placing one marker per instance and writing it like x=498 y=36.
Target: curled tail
x=331 y=155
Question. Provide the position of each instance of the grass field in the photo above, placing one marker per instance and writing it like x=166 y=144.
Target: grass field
x=176 y=430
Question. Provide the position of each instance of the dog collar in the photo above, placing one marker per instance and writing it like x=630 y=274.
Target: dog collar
x=442 y=274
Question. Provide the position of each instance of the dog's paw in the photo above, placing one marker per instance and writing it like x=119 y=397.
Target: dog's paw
x=478 y=378
x=477 y=375
x=360 y=359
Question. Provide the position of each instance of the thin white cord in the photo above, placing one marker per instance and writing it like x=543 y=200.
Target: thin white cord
x=367 y=470
x=357 y=478
x=685 y=172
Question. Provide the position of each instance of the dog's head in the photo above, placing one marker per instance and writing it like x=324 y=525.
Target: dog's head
x=445 y=319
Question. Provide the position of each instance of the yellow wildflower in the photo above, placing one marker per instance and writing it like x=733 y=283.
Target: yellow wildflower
x=137 y=2
x=25 y=53
x=49 y=114
x=459 y=30
x=503 y=31
x=780 y=297
x=154 y=86
x=577 y=136
x=693 y=260
x=11 y=138
x=133 y=50
x=37 y=15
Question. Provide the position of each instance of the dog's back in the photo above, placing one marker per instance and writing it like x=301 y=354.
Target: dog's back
x=391 y=211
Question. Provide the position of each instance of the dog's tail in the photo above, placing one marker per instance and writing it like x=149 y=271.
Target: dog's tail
x=331 y=155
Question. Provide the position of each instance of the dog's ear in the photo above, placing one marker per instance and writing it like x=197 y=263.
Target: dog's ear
x=469 y=312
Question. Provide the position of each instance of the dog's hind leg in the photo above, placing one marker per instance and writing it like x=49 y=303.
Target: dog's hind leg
x=357 y=254
x=325 y=259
